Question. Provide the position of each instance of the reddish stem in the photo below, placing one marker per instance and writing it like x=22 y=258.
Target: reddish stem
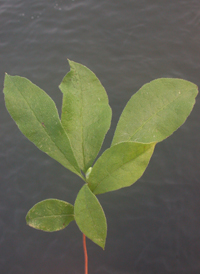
x=85 y=254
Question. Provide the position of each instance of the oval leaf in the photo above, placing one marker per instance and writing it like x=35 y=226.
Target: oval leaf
x=119 y=166
x=37 y=117
x=86 y=114
x=90 y=217
x=156 y=111
x=50 y=215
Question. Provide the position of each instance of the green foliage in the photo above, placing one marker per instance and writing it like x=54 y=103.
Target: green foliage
x=90 y=217
x=156 y=111
x=119 y=166
x=50 y=215
x=36 y=115
x=151 y=115
x=86 y=114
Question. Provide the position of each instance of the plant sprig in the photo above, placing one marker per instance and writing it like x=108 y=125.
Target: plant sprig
x=151 y=115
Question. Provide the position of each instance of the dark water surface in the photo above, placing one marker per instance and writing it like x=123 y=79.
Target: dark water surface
x=153 y=226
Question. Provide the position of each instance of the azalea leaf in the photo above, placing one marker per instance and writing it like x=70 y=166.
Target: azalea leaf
x=90 y=217
x=119 y=166
x=50 y=215
x=37 y=117
x=86 y=114
x=156 y=111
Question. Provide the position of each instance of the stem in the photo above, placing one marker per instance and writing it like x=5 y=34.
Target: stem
x=85 y=254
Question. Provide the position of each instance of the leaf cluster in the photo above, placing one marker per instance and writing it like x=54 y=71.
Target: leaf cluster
x=151 y=115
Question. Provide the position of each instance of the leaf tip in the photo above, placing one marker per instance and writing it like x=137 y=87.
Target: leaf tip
x=69 y=61
x=6 y=75
x=103 y=246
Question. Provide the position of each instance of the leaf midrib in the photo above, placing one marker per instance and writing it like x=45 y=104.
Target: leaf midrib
x=51 y=216
x=82 y=143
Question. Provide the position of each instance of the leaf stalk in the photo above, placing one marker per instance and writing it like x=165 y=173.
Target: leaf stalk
x=85 y=254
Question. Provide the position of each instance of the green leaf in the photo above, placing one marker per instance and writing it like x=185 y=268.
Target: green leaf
x=90 y=217
x=119 y=166
x=50 y=215
x=156 y=111
x=37 y=117
x=86 y=114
